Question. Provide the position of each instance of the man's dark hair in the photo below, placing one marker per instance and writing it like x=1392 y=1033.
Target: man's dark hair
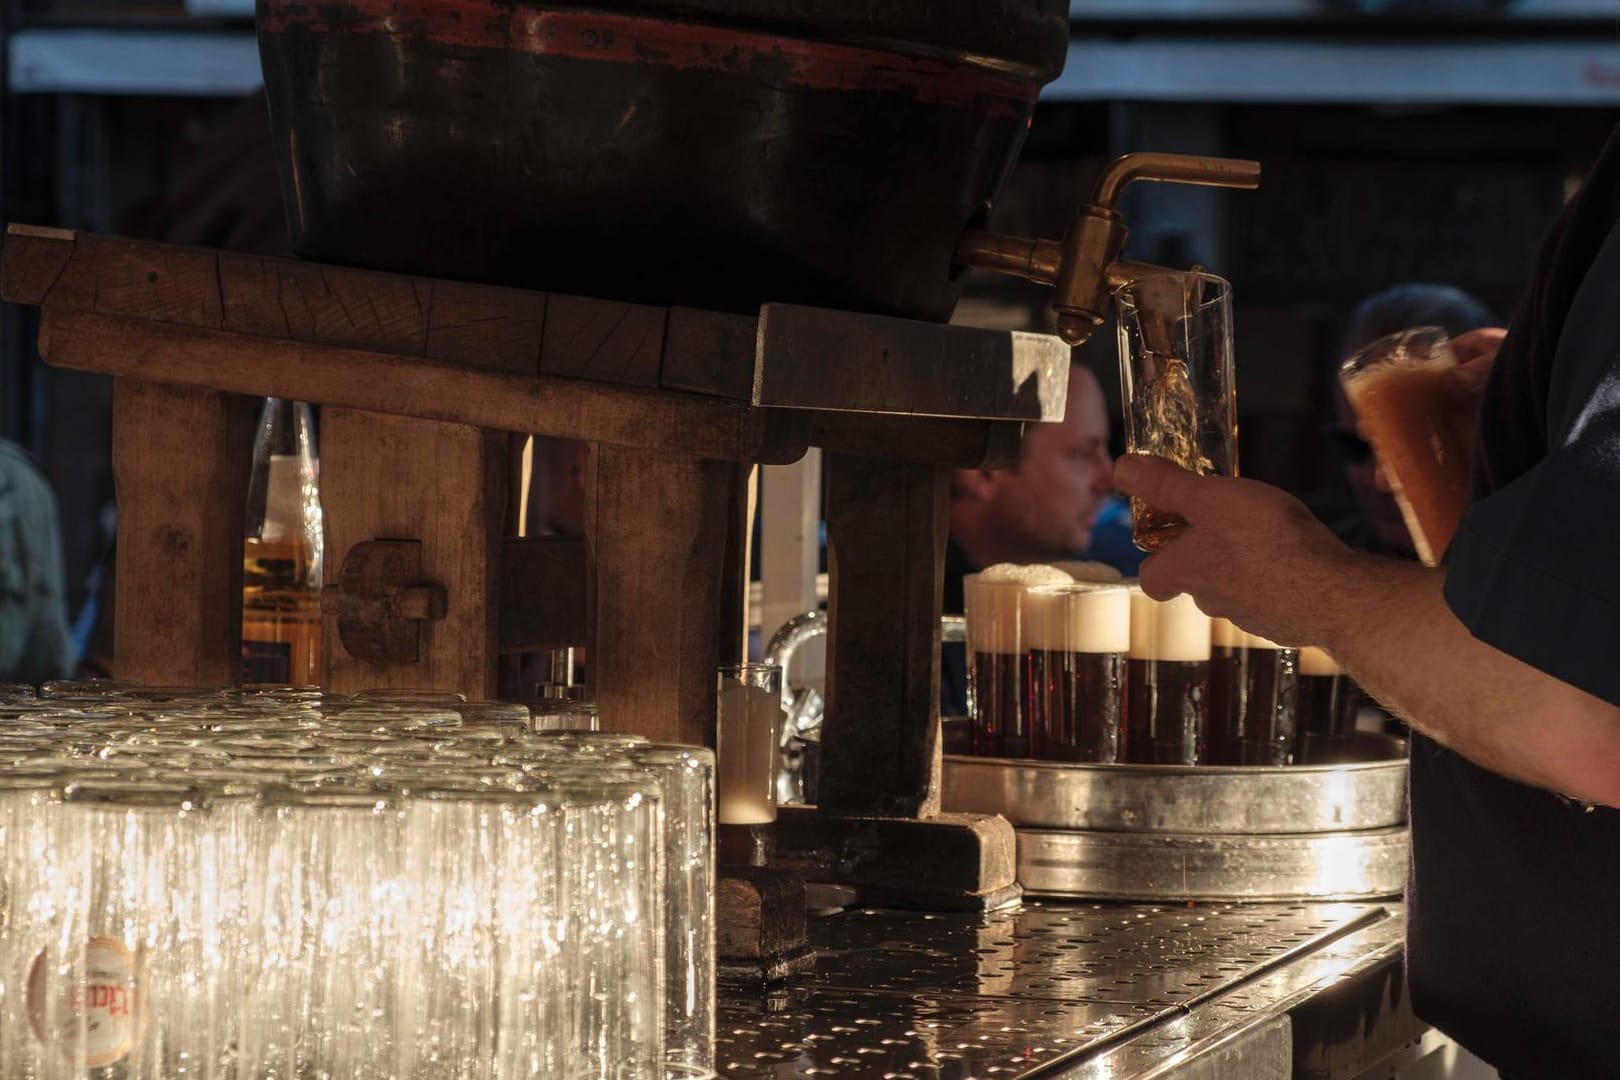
x=1405 y=306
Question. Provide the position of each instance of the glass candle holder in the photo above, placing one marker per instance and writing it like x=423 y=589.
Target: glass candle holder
x=1176 y=376
x=749 y=713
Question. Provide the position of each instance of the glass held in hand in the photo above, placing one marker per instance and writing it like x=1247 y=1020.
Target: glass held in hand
x=1397 y=387
x=1177 y=382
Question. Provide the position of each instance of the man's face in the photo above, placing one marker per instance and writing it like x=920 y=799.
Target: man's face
x=1048 y=504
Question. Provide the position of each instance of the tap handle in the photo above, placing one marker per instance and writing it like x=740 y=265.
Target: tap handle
x=1085 y=267
x=1173 y=168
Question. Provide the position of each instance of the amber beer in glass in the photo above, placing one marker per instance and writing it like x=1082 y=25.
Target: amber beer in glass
x=1253 y=699
x=1077 y=636
x=1180 y=399
x=1397 y=388
x=998 y=660
x=1167 y=681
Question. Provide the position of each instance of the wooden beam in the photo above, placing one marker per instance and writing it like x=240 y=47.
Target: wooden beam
x=953 y=443
x=406 y=386
x=790 y=357
x=886 y=528
x=396 y=478
x=180 y=461
x=656 y=534
x=851 y=362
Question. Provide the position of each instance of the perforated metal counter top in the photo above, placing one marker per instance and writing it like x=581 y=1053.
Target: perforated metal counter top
x=1052 y=989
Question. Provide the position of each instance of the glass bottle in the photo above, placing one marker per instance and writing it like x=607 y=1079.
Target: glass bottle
x=281 y=565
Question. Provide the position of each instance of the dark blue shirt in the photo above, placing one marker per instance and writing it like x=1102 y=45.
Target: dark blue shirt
x=1514 y=942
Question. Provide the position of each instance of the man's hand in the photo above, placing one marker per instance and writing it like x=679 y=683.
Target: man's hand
x=1250 y=552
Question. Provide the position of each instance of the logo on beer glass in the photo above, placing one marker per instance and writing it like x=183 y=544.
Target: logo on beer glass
x=92 y=1011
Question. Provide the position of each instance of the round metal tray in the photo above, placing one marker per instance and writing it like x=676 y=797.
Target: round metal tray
x=1134 y=866
x=1199 y=800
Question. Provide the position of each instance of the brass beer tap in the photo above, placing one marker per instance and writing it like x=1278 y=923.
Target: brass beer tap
x=1085 y=268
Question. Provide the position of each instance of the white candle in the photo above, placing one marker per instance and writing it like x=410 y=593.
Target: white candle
x=747 y=754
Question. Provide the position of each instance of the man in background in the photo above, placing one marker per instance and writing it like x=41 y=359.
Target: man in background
x=1043 y=509
x=34 y=641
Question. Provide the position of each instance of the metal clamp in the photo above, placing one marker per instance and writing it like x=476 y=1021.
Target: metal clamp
x=380 y=601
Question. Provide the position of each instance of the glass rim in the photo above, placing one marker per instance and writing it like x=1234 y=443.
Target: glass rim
x=1382 y=348
x=1122 y=291
x=1083 y=587
x=750 y=667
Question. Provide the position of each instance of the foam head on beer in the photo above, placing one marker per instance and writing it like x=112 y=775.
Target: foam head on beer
x=1080 y=617
x=994 y=599
x=1088 y=570
x=1226 y=634
x=1315 y=661
x=1173 y=630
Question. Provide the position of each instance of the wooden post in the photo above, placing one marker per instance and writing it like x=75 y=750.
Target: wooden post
x=886 y=529
x=443 y=485
x=181 y=459
x=658 y=533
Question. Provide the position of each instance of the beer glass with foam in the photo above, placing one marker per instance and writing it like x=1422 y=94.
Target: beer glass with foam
x=1397 y=388
x=1253 y=698
x=1077 y=636
x=1180 y=397
x=1328 y=703
x=1167 y=681
x=998 y=662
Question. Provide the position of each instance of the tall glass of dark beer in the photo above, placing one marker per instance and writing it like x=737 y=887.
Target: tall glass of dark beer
x=1328 y=703
x=1176 y=377
x=1077 y=636
x=998 y=660
x=1167 y=681
x=1254 y=698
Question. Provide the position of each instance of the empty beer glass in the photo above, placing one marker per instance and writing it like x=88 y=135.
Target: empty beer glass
x=1176 y=377
x=686 y=774
x=1397 y=388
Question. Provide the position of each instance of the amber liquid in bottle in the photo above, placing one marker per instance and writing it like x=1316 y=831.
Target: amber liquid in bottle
x=282 y=549
x=281 y=613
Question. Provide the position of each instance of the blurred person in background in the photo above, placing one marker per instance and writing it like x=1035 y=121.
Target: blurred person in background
x=1046 y=506
x=34 y=642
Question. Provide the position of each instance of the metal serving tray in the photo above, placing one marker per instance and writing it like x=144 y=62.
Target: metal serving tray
x=1198 y=800
x=1357 y=865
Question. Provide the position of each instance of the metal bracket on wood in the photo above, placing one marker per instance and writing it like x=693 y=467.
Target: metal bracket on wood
x=380 y=602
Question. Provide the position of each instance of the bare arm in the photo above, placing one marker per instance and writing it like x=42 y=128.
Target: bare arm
x=1255 y=555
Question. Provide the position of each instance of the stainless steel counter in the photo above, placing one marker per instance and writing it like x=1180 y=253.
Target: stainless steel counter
x=1085 y=990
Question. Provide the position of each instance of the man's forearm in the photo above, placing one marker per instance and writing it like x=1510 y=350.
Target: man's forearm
x=1390 y=626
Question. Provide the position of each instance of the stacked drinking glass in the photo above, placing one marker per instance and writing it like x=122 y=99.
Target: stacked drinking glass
x=271 y=885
